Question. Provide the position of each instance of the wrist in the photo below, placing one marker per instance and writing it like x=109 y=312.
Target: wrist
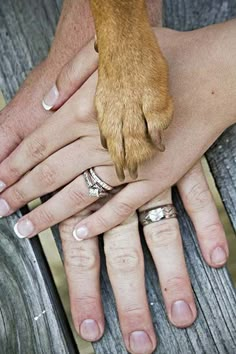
x=75 y=28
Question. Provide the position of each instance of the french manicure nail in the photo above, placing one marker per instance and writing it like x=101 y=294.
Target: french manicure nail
x=23 y=228
x=140 y=342
x=89 y=330
x=51 y=98
x=181 y=313
x=218 y=256
x=4 y=208
x=81 y=233
x=2 y=186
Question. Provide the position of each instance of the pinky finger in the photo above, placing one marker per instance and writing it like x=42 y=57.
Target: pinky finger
x=199 y=204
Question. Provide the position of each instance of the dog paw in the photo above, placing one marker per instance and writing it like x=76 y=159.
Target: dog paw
x=132 y=101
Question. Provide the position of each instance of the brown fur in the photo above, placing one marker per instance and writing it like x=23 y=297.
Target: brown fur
x=132 y=99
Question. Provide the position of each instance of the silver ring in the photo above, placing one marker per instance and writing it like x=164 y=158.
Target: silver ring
x=96 y=187
x=149 y=216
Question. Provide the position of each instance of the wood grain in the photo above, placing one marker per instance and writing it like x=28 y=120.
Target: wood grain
x=22 y=273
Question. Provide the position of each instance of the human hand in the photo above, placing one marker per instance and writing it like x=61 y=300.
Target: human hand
x=186 y=140
x=124 y=261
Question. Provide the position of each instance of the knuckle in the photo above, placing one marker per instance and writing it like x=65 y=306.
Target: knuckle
x=45 y=217
x=198 y=197
x=162 y=234
x=66 y=227
x=83 y=110
x=123 y=209
x=67 y=76
x=102 y=222
x=212 y=231
x=47 y=175
x=77 y=196
x=13 y=172
x=214 y=228
x=176 y=285
x=35 y=149
x=80 y=258
x=85 y=301
x=134 y=311
x=18 y=195
x=123 y=259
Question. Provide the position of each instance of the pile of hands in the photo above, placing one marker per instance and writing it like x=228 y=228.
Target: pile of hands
x=51 y=154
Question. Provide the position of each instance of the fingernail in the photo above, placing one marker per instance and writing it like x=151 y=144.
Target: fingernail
x=23 y=228
x=218 y=256
x=140 y=342
x=2 y=186
x=89 y=330
x=81 y=233
x=181 y=313
x=4 y=208
x=51 y=98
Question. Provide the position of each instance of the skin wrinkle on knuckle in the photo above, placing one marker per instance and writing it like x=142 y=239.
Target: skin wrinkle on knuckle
x=209 y=232
x=77 y=195
x=122 y=209
x=163 y=234
x=85 y=300
x=44 y=217
x=17 y=195
x=176 y=286
x=35 y=149
x=80 y=259
x=11 y=171
x=66 y=228
x=47 y=175
x=120 y=259
x=134 y=310
x=198 y=197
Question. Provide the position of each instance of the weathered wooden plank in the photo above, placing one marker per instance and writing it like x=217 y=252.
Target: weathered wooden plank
x=222 y=160
x=214 y=331
x=31 y=315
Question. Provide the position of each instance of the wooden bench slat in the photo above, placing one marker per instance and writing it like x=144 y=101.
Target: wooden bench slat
x=31 y=316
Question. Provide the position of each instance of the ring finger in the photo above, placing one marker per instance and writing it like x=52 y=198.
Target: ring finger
x=164 y=241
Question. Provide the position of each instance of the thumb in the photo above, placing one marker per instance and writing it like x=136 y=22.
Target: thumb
x=72 y=77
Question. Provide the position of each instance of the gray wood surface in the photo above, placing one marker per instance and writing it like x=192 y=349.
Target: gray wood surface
x=31 y=315
x=215 y=329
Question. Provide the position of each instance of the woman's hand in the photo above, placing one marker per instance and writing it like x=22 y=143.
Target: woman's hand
x=124 y=259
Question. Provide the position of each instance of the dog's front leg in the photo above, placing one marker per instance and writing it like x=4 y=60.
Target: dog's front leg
x=132 y=99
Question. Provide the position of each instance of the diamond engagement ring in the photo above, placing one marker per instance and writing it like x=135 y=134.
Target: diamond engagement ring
x=149 y=216
x=96 y=187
